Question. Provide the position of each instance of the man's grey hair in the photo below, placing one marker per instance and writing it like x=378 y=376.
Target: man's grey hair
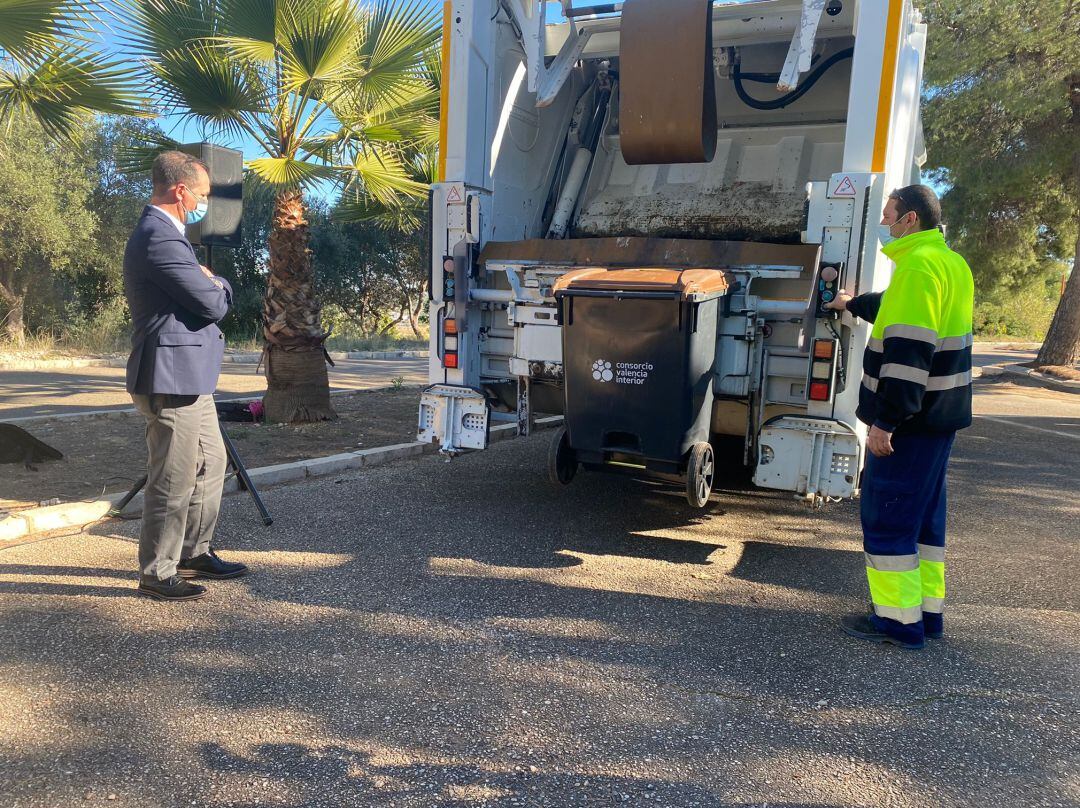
x=175 y=167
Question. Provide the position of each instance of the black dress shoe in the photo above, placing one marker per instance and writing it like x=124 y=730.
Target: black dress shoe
x=173 y=588
x=861 y=627
x=208 y=565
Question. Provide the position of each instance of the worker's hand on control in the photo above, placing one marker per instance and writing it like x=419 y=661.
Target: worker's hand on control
x=879 y=442
x=839 y=303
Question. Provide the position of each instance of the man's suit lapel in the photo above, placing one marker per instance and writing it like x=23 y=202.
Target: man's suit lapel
x=150 y=210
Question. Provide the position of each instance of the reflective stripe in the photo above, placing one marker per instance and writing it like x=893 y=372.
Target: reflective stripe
x=908 y=615
x=915 y=332
x=944 y=344
x=939 y=383
x=910 y=374
x=930 y=552
x=932 y=574
x=955 y=343
x=899 y=591
x=933 y=605
x=891 y=370
x=892 y=563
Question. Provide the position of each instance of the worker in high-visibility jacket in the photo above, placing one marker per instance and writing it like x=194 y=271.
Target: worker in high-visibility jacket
x=915 y=395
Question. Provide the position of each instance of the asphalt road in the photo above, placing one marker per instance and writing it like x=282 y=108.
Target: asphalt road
x=464 y=634
x=65 y=391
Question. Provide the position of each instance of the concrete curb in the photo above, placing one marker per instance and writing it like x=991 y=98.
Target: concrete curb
x=81 y=514
x=228 y=359
x=1043 y=379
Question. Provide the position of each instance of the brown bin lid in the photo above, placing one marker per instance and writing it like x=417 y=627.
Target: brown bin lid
x=684 y=282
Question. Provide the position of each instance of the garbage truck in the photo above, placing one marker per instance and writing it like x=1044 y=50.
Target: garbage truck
x=643 y=208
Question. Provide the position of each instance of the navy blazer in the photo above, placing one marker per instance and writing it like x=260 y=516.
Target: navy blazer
x=176 y=346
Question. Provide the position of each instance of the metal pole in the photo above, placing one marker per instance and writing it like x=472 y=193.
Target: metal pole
x=244 y=483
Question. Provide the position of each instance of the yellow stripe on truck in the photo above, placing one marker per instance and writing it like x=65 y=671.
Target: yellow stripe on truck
x=888 y=84
x=444 y=90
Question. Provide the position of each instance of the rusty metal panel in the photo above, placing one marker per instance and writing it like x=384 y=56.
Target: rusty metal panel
x=650 y=252
x=667 y=98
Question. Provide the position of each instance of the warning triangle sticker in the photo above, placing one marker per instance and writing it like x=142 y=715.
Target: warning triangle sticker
x=845 y=188
x=455 y=195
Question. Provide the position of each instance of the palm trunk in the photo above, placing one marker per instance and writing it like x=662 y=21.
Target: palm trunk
x=1062 y=343
x=297 y=386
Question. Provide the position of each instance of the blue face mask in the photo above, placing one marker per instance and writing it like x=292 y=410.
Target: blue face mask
x=885 y=234
x=197 y=215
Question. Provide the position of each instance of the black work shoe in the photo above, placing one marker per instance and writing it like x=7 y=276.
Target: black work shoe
x=933 y=635
x=860 y=626
x=173 y=588
x=208 y=565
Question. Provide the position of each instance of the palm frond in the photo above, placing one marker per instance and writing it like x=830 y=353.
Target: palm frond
x=153 y=27
x=138 y=158
x=318 y=45
x=250 y=20
x=68 y=86
x=383 y=176
x=397 y=35
x=203 y=81
x=288 y=172
x=30 y=29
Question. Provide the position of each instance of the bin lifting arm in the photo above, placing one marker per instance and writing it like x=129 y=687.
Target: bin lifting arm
x=801 y=51
x=529 y=19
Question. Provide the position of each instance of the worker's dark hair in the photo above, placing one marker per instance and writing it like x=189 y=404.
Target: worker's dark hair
x=922 y=200
x=173 y=167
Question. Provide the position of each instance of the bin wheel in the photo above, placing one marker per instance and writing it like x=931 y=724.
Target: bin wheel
x=562 y=462
x=700 y=472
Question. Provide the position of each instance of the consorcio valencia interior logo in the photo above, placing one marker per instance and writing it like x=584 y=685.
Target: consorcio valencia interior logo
x=601 y=370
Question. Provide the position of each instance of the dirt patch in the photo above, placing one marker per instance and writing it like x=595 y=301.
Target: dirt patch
x=108 y=455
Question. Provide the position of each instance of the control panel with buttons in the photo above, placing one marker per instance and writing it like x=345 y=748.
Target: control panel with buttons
x=826 y=288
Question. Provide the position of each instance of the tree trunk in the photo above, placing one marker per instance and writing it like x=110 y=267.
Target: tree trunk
x=297 y=386
x=12 y=322
x=414 y=317
x=1062 y=343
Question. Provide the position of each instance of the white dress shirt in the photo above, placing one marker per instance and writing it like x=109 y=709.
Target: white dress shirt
x=179 y=224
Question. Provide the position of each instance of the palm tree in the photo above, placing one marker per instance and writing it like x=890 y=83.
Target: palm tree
x=332 y=91
x=49 y=70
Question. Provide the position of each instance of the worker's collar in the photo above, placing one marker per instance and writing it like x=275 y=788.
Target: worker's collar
x=907 y=243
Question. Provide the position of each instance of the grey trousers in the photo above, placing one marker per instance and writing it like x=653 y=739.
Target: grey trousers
x=184 y=477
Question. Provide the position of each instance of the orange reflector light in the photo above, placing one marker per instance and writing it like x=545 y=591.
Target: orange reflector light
x=823 y=348
x=449 y=360
x=819 y=391
x=450 y=327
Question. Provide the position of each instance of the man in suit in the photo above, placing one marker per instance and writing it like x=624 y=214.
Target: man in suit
x=171 y=375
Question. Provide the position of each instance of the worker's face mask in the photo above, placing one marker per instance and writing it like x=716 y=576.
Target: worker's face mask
x=201 y=205
x=885 y=232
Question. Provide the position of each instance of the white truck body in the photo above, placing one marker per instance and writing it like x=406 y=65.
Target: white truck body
x=524 y=199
